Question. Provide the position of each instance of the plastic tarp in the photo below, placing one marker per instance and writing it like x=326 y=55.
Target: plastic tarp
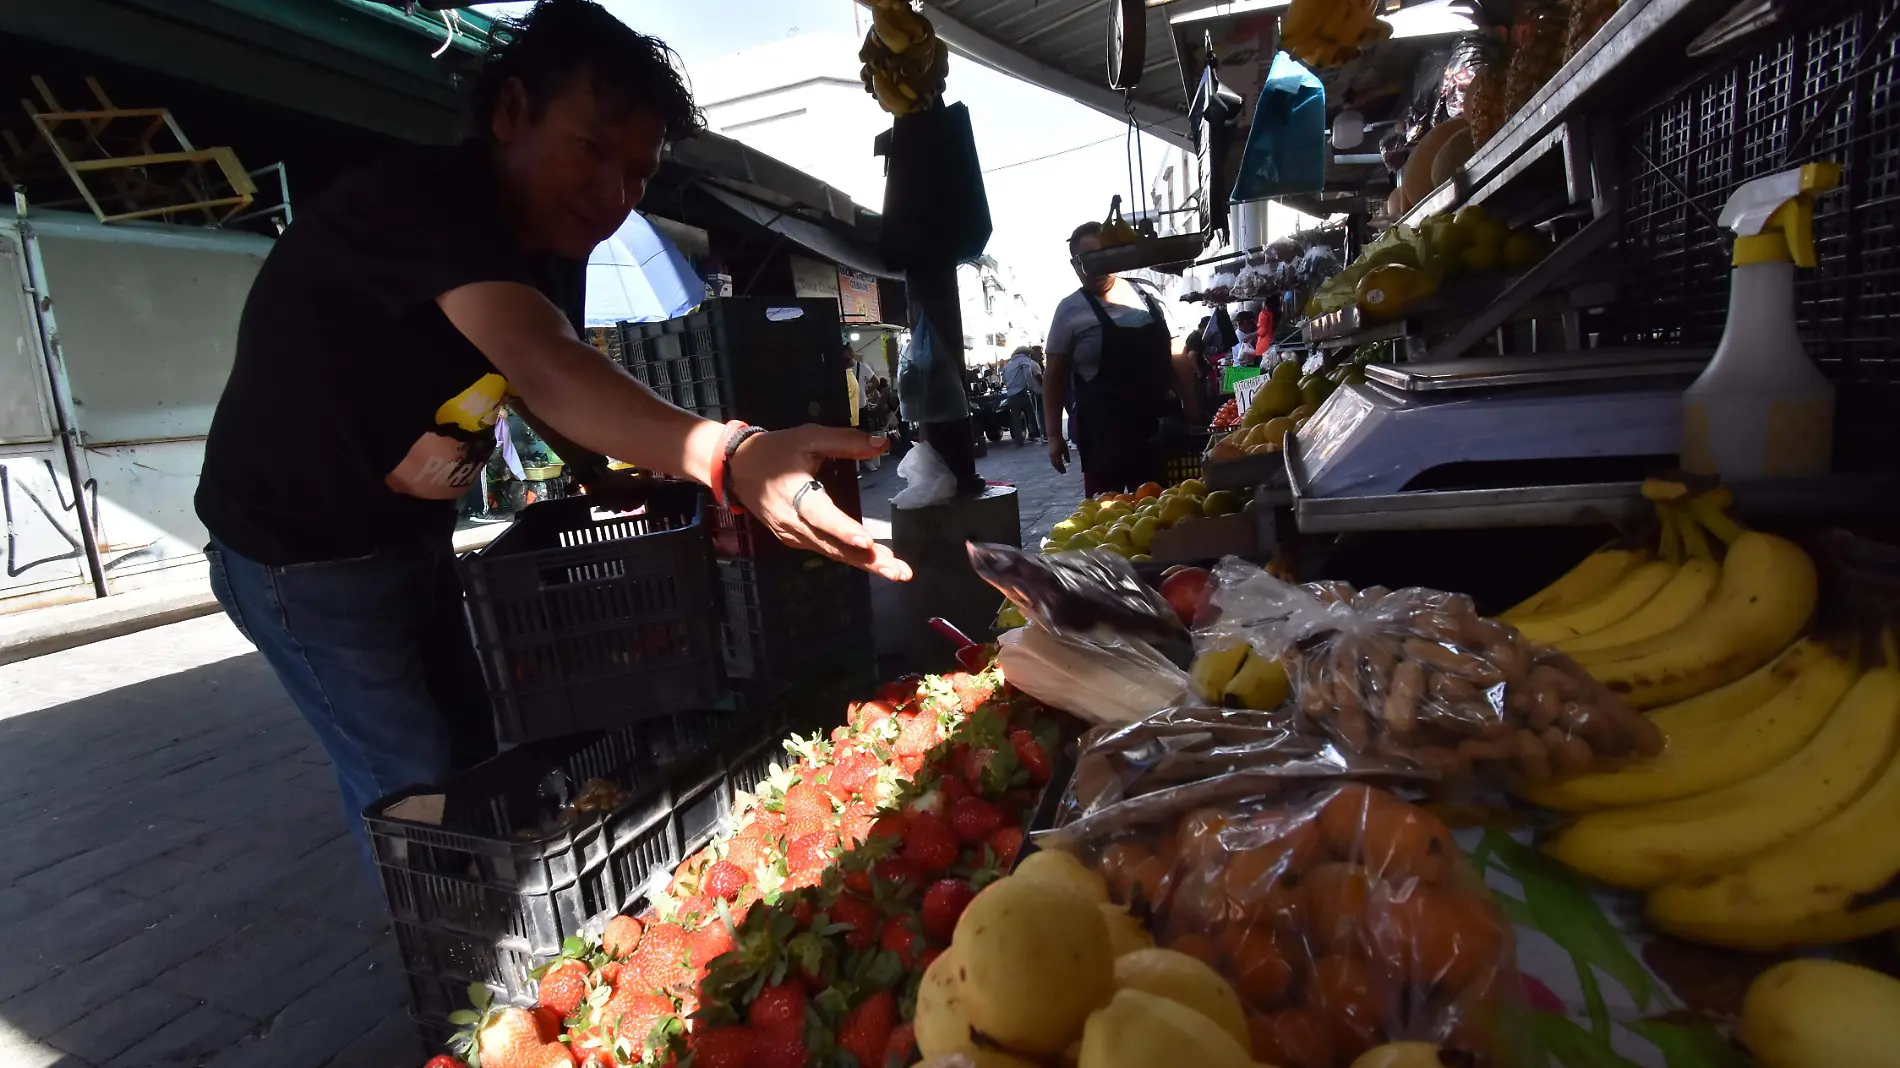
x=638 y=276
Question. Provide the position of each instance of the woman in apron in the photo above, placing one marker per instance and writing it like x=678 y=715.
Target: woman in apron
x=1119 y=408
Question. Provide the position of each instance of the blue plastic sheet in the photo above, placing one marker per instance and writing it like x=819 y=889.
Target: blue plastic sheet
x=1286 y=146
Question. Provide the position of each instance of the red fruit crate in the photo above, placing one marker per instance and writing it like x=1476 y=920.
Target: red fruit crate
x=587 y=619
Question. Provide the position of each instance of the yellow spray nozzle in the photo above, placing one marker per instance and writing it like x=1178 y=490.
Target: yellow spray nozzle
x=1774 y=216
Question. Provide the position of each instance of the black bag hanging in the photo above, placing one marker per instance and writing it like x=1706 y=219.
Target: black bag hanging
x=935 y=209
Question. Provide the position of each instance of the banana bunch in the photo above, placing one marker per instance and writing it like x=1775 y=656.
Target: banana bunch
x=905 y=62
x=1662 y=627
x=1117 y=230
x=1766 y=821
x=1326 y=33
x=1238 y=677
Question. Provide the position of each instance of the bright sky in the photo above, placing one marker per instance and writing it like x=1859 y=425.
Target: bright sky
x=1033 y=205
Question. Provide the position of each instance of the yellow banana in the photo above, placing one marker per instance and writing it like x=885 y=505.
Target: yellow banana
x=1341 y=24
x=891 y=27
x=1831 y=884
x=1645 y=847
x=1698 y=758
x=1592 y=575
x=1685 y=594
x=1724 y=705
x=889 y=96
x=1620 y=600
x=1766 y=595
x=1301 y=19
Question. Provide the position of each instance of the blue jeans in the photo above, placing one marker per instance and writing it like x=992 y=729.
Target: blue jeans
x=375 y=652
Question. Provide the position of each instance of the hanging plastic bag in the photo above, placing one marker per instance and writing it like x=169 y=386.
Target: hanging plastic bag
x=1094 y=594
x=930 y=378
x=927 y=479
x=1286 y=145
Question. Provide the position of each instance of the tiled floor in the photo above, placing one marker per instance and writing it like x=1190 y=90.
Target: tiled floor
x=176 y=883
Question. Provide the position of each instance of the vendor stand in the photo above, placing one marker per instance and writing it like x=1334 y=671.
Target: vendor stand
x=1524 y=749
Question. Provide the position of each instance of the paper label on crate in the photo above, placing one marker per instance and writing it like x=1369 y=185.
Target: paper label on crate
x=780 y=315
x=422 y=808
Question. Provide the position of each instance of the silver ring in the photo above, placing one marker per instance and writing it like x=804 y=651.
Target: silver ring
x=798 y=499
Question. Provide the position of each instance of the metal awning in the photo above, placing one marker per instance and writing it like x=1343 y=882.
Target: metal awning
x=839 y=248
x=1062 y=46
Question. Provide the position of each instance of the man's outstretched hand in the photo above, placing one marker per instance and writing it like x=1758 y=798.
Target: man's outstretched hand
x=767 y=473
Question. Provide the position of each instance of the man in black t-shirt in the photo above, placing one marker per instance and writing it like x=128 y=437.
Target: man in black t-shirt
x=406 y=304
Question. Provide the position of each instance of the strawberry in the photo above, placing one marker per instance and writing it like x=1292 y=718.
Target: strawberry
x=694 y=910
x=865 y=1031
x=722 y=1047
x=953 y=789
x=621 y=937
x=511 y=1039
x=900 y=691
x=856 y=774
x=891 y=825
x=1006 y=843
x=929 y=843
x=973 y=691
x=860 y=916
x=724 y=880
x=633 y=1015
x=805 y=799
x=660 y=961
x=909 y=764
x=708 y=942
x=769 y=825
x=867 y=716
x=809 y=853
x=563 y=987
x=918 y=734
x=802 y=912
x=779 y=1048
x=781 y=1005
x=443 y=1060
x=745 y=853
x=901 y=872
x=1030 y=753
x=899 y=938
x=943 y=904
x=973 y=819
x=902 y=1049
x=549 y=1022
x=857 y=822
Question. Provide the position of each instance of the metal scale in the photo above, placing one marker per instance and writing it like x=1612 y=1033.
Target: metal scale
x=1351 y=466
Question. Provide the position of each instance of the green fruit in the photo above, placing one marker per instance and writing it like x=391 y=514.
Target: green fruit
x=1287 y=371
x=1065 y=530
x=1085 y=540
x=1219 y=503
x=1275 y=399
x=1523 y=249
x=1480 y=258
x=1314 y=391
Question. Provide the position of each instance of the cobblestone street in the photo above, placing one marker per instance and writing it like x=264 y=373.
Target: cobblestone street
x=177 y=886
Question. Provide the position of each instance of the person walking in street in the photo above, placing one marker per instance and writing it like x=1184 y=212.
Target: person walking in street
x=391 y=322
x=1128 y=373
x=1022 y=395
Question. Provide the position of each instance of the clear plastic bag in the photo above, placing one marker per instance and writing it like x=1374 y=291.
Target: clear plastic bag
x=1093 y=594
x=927 y=479
x=1343 y=916
x=1420 y=675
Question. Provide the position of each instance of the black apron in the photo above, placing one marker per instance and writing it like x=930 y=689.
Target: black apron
x=1118 y=413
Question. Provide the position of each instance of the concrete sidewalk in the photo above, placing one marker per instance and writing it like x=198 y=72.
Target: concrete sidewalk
x=184 y=592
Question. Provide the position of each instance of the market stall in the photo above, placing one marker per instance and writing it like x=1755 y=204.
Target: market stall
x=1460 y=697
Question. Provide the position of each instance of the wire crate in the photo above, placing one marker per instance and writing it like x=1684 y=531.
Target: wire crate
x=1822 y=85
x=589 y=620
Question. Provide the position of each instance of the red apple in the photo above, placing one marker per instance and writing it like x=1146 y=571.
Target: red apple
x=1185 y=590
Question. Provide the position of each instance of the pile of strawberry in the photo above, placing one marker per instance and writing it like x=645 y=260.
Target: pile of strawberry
x=799 y=939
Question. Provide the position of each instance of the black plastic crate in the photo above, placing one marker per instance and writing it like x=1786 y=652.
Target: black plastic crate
x=590 y=620
x=785 y=612
x=1822 y=82
x=495 y=888
x=772 y=363
x=1182 y=457
x=744 y=536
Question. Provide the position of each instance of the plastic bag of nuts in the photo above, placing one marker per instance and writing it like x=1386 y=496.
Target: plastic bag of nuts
x=1419 y=674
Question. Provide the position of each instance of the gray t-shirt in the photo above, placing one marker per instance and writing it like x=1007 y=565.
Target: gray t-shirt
x=1078 y=332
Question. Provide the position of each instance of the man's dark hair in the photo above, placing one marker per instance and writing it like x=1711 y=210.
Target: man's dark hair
x=559 y=39
x=1087 y=229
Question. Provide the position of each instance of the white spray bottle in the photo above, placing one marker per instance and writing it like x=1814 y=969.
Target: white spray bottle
x=1761 y=409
